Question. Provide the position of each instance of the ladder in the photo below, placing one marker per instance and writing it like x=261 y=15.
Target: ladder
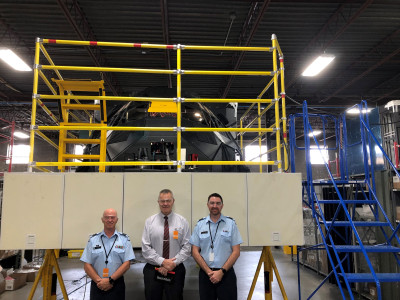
x=341 y=232
x=70 y=112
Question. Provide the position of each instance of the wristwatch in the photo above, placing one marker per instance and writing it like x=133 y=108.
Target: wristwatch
x=111 y=280
x=223 y=271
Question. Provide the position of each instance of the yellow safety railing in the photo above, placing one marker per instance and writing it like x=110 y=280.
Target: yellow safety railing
x=277 y=103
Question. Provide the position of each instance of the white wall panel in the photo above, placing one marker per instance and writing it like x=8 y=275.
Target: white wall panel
x=275 y=209
x=62 y=210
x=87 y=195
x=141 y=192
x=32 y=211
x=232 y=188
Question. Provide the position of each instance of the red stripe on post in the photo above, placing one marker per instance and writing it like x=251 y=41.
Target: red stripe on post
x=51 y=41
x=92 y=43
x=284 y=135
x=41 y=104
x=281 y=59
x=137 y=45
x=170 y=46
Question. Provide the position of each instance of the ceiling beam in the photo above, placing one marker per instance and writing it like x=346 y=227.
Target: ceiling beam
x=363 y=74
x=165 y=28
x=80 y=24
x=334 y=19
x=253 y=30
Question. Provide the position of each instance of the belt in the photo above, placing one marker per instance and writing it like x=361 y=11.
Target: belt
x=215 y=269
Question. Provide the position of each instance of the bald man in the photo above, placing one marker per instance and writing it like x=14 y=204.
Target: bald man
x=107 y=257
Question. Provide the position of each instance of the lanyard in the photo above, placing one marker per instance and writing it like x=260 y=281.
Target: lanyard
x=105 y=252
x=215 y=235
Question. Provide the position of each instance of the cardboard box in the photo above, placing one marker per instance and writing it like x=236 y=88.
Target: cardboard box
x=396 y=183
x=7 y=272
x=372 y=290
x=15 y=281
x=398 y=213
x=2 y=284
x=30 y=274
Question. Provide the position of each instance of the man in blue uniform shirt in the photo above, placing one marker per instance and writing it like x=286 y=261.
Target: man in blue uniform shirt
x=107 y=257
x=216 y=247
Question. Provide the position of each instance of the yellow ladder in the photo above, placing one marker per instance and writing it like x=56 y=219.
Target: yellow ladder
x=67 y=106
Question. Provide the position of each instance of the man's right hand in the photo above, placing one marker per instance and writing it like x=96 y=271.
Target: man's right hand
x=104 y=284
x=169 y=264
x=163 y=271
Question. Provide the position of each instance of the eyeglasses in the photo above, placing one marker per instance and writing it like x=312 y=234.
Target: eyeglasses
x=215 y=203
x=165 y=201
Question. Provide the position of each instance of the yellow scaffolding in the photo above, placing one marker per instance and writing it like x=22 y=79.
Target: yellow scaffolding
x=174 y=104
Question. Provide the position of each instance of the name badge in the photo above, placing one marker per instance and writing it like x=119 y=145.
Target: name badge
x=105 y=272
x=211 y=256
x=175 y=234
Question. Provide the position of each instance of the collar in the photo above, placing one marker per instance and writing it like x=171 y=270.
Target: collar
x=221 y=218
x=169 y=216
x=103 y=233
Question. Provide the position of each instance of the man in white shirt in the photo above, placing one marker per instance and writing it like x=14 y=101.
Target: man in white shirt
x=165 y=246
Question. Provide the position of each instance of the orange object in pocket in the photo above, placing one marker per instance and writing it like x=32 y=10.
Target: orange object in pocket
x=175 y=234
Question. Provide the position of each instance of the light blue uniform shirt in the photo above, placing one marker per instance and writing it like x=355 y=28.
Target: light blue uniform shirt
x=95 y=255
x=227 y=236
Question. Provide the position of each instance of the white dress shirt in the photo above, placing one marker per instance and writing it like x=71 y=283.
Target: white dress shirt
x=153 y=235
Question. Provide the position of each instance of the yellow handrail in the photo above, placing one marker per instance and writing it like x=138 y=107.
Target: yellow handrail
x=278 y=102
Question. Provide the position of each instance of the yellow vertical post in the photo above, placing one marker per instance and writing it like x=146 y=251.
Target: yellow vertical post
x=276 y=95
x=103 y=148
x=178 y=108
x=62 y=147
x=103 y=135
x=259 y=133
x=241 y=138
x=284 y=121
x=34 y=102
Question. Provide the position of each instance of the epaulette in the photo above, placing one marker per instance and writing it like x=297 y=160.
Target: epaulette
x=231 y=219
x=201 y=219
x=92 y=235
x=126 y=236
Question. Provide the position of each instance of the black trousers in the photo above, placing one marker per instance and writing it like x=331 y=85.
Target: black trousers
x=154 y=289
x=116 y=293
x=226 y=289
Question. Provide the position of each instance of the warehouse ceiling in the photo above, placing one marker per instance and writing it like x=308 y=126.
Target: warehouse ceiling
x=363 y=35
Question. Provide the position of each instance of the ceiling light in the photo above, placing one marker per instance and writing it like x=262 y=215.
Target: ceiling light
x=13 y=60
x=197 y=115
x=318 y=65
x=356 y=111
x=21 y=135
x=315 y=132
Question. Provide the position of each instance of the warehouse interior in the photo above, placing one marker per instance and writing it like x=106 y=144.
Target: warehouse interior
x=238 y=104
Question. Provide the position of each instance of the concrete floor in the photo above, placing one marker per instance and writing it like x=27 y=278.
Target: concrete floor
x=245 y=267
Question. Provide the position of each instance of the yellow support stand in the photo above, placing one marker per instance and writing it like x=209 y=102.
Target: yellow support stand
x=267 y=259
x=46 y=275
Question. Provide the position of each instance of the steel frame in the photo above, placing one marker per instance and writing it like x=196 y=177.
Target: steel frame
x=278 y=103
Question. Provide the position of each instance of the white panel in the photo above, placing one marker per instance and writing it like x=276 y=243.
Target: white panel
x=232 y=188
x=32 y=211
x=275 y=209
x=87 y=195
x=141 y=194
